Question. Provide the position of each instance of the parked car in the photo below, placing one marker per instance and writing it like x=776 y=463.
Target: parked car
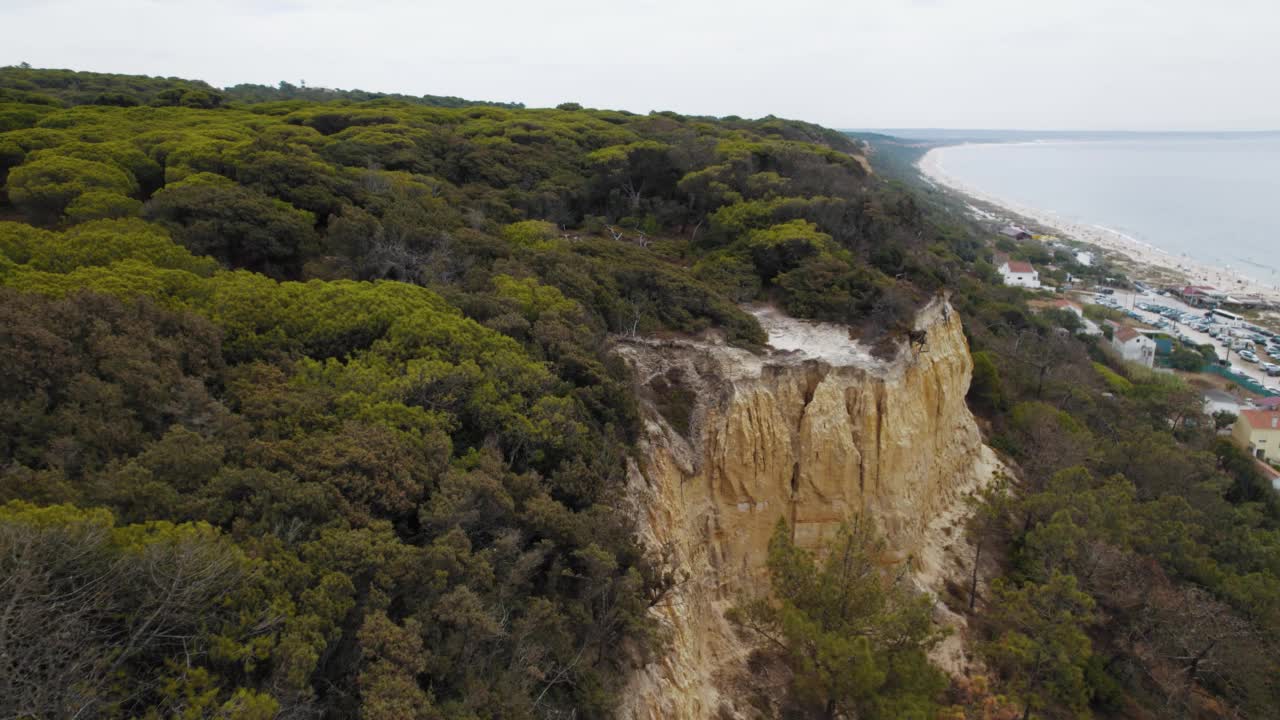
x=1248 y=356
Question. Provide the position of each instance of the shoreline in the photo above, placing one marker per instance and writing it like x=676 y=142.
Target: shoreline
x=1144 y=261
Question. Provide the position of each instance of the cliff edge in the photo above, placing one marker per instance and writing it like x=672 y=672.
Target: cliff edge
x=814 y=430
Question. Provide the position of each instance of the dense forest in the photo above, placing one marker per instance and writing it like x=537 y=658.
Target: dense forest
x=309 y=410
x=69 y=87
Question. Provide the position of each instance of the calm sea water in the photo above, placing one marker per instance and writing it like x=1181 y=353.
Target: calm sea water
x=1215 y=200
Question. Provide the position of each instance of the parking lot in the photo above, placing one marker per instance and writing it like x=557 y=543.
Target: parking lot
x=1176 y=326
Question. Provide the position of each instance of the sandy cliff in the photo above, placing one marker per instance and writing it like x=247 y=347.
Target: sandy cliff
x=814 y=430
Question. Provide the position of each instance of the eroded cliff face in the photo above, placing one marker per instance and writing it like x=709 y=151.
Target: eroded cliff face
x=814 y=431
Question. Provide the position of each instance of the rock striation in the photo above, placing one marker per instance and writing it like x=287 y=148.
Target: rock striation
x=813 y=430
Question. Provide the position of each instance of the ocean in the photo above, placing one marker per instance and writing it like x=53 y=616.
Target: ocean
x=1216 y=200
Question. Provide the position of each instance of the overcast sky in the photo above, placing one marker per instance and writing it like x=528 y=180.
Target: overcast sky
x=1035 y=64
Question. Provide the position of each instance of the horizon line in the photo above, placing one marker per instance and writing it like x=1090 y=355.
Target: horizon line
x=1061 y=130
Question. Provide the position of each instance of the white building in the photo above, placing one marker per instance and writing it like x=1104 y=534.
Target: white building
x=1019 y=274
x=1134 y=346
x=1084 y=257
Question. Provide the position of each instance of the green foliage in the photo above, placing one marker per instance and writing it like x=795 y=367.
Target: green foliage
x=402 y=191
x=732 y=275
x=284 y=91
x=101 y=242
x=1063 y=318
x=44 y=188
x=1188 y=359
x=530 y=233
x=55 y=87
x=1114 y=381
x=854 y=639
x=1046 y=651
x=235 y=225
x=781 y=248
x=533 y=299
x=98 y=204
x=986 y=390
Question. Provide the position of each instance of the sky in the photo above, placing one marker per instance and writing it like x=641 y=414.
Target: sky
x=1031 y=64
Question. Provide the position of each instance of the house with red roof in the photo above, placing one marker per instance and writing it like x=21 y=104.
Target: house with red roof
x=1019 y=274
x=1201 y=295
x=1258 y=431
x=1134 y=346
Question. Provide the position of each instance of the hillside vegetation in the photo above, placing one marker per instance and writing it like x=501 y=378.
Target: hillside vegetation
x=308 y=408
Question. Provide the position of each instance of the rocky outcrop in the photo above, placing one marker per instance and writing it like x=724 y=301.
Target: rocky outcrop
x=814 y=430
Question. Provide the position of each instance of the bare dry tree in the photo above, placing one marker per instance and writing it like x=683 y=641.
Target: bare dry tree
x=76 y=611
x=633 y=193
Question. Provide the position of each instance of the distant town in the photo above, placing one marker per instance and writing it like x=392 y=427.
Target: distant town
x=1216 y=339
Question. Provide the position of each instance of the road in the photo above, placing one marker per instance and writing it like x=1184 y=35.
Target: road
x=1216 y=400
x=1129 y=299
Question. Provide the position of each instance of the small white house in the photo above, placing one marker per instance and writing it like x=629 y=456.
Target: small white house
x=1084 y=257
x=1134 y=346
x=1019 y=274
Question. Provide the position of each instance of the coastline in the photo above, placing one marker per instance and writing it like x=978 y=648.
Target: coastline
x=1142 y=260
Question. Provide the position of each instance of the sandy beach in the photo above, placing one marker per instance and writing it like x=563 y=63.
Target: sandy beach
x=1142 y=260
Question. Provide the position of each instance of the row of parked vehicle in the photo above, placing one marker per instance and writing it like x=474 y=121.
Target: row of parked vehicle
x=1242 y=340
x=1194 y=320
x=1272 y=351
x=1106 y=301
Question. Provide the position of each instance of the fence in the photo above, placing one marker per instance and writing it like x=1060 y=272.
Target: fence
x=1243 y=381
